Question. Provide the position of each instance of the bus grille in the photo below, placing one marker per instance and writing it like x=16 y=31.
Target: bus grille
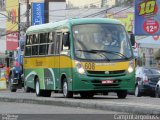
x=103 y=73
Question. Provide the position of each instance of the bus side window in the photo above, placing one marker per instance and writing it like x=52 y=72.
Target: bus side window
x=28 y=47
x=35 y=44
x=64 y=49
x=29 y=40
x=28 y=51
x=35 y=39
x=50 y=46
x=58 y=42
x=43 y=43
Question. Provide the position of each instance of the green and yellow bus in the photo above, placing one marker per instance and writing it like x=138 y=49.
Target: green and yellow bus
x=85 y=56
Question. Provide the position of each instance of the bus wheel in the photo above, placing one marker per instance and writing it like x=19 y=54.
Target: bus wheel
x=13 y=88
x=66 y=92
x=122 y=94
x=38 y=91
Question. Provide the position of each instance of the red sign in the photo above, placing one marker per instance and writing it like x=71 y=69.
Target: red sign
x=151 y=26
x=11 y=40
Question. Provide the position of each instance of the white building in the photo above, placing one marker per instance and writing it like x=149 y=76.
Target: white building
x=78 y=9
x=2 y=27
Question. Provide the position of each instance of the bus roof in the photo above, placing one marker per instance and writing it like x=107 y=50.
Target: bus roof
x=65 y=23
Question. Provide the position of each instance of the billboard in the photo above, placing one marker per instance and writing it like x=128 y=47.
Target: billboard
x=12 y=25
x=125 y=15
x=37 y=13
x=147 y=18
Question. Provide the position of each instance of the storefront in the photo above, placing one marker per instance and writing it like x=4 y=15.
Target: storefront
x=147 y=47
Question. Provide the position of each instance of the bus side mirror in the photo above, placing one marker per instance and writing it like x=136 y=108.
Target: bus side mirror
x=65 y=39
x=132 y=38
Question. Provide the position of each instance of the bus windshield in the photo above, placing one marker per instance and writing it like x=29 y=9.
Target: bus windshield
x=101 y=42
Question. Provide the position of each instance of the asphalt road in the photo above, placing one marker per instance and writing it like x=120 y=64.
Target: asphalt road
x=24 y=108
x=132 y=104
x=23 y=111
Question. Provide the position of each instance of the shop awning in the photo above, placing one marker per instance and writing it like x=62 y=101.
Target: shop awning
x=148 y=42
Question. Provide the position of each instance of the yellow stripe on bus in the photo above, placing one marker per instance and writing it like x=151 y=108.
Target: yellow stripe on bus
x=66 y=62
x=48 y=62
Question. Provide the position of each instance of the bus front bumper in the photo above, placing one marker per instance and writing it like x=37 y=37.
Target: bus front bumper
x=103 y=84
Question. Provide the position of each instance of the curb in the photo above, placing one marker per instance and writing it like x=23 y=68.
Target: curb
x=127 y=108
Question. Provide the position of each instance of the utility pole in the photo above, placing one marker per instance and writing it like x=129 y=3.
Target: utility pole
x=102 y=3
x=28 y=7
x=19 y=22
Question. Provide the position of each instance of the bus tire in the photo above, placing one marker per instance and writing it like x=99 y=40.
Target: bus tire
x=66 y=92
x=122 y=94
x=37 y=87
x=12 y=88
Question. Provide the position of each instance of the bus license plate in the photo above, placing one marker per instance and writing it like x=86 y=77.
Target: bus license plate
x=107 y=81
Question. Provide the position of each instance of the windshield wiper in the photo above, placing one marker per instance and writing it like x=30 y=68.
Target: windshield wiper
x=95 y=52
x=113 y=52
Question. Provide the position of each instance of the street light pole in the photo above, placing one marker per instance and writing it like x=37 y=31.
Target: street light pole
x=19 y=22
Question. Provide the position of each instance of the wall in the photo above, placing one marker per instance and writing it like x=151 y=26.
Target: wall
x=2 y=33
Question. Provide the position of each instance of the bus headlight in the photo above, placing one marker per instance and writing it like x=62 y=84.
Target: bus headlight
x=131 y=66
x=80 y=68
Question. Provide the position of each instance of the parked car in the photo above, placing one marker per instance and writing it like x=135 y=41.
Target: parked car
x=157 y=89
x=146 y=80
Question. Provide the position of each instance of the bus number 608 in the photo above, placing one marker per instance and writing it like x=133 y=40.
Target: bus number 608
x=90 y=66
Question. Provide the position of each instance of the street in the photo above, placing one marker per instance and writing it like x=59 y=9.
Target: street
x=23 y=111
x=24 y=108
x=132 y=104
x=80 y=59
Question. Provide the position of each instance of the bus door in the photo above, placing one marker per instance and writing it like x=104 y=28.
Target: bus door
x=58 y=44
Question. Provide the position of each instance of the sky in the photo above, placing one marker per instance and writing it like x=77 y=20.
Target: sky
x=83 y=2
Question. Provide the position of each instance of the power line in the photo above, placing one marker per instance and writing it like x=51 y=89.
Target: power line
x=119 y=11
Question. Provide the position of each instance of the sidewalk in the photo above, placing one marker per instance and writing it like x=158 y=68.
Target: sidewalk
x=114 y=104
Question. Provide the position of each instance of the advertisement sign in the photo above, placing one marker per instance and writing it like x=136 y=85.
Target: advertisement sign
x=37 y=13
x=125 y=16
x=12 y=24
x=147 y=18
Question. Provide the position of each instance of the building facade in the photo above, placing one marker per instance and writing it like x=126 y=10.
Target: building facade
x=2 y=27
